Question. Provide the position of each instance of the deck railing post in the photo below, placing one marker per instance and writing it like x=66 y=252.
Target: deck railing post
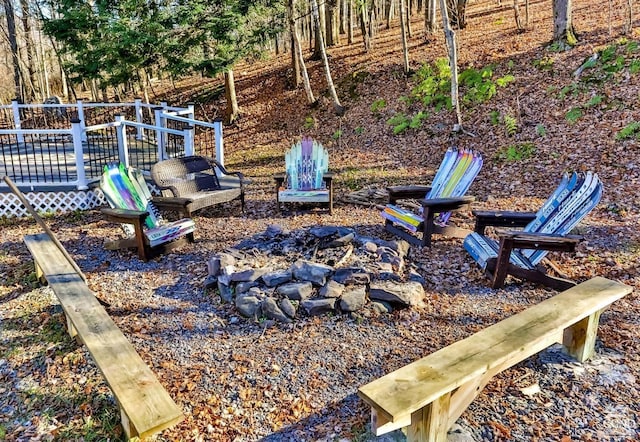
x=188 y=140
x=82 y=119
x=139 y=118
x=121 y=134
x=160 y=124
x=15 y=106
x=219 y=143
x=76 y=133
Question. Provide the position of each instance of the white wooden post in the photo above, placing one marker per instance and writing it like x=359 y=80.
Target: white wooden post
x=163 y=123
x=121 y=134
x=188 y=140
x=139 y=118
x=192 y=111
x=82 y=120
x=159 y=124
x=218 y=137
x=15 y=105
x=76 y=133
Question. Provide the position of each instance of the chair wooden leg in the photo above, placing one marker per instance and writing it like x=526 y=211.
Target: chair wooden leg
x=427 y=227
x=502 y=263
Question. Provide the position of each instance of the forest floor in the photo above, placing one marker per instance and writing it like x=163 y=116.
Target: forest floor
x=239 y=380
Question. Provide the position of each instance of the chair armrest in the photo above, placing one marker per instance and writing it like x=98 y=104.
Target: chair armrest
x=407 y=192
x=447 y=204
x=328 y=177
x=485 y=219
x=279 y=179
x=171 y=203
x=125 y=216
x=540 y=241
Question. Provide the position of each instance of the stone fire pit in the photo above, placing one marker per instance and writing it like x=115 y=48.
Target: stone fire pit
x=281 y=274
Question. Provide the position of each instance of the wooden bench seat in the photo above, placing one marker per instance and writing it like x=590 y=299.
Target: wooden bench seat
x=428 y=395
x=145 y=406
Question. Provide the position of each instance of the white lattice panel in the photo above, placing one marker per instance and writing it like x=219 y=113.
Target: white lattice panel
x=51 y=202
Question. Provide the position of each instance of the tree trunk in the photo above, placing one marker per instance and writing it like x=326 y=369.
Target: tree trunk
x=450 y=38
x=339 y=110
x=319 y=27
x=364 y=26
x=628 y=28
x=403 y=33
x=563 y=33
x=516 y=13
x=13 y=43
x=232 y=111
x=430 y=24
x=30 y=49
x=408 y=14
x=297 y=50
x=295 y=63
x=389 y=13
x=350 y=21
x=332 y=17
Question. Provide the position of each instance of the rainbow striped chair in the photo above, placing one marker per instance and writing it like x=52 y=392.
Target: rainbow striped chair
x=126 y=191
x=307 y=178
x=519 y=253
x=446 y=194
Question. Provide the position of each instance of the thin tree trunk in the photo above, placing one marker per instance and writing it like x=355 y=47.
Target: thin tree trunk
x=450 y=37
x=629 y=25
x=350 y=21
x=563 y=32
x=364 y=26
x=295 y=64
x=408 y=22
x=339 y=110
x=430 y=23
x=389 y=12
x=526 y=13
x=516 y=13
x=403 y=33
x=13 y=43
x=29 y=47
x=232 y=111
x=297 y=49
x=319 y=28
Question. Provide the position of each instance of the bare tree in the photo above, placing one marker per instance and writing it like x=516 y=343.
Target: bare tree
x=430 y=23
x=13 y=44
x=338 y=108
x=30 y=93
x=450 y=37
x=403 y=33
x=297 y=50
x=295 y=62
x=563 y=33
x=232 y=111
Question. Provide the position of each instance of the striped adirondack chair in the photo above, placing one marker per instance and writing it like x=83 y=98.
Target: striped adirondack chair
x=519 y=253
x=127 y=193
x=307 y=178
x=446 y=194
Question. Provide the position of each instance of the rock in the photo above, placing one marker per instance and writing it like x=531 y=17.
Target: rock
x=370 y=247
x=318 y=306
x=272 y=279
x=381 y=307
x=218 y=261
x=297 y=291
x=242 y=287
x=417 y=277
x=248 y=275
x=274 y=230
x=271 y=310
x=226 y=294
x=352 y=275
x=210 y=282
x=311 y=271
x=407 y=293
x=323 y=231
x=248 y=305
x=354 y=299
x=331 y=289
x=342 y=241
x=287 y=307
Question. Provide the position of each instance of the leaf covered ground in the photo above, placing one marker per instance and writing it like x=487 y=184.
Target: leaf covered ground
x=243 y=381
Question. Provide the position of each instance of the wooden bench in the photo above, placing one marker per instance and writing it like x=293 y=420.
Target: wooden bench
x=145 y=406
x=428 y=395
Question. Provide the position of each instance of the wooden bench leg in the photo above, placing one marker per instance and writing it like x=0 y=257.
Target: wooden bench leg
x=72 y=330
x=431 y=423
x=129 y=429
x=580 y=338
x=39 y=273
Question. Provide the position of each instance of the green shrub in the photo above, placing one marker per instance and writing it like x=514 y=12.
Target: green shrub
x=573 y=115
x=378 y=105
x=516 y=152
x=630 y=130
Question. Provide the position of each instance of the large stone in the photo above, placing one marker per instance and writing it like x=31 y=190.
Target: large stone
x=342 y=241
x=297 y=291
x=319 y=306
x=218 y=261
x=287 y=307
x=226 y=294
x=242 y=287
x=331 y=289
x=271 y=310
x=405 y=293
x=311 y=271
x=353 y=299
x=272 y=279
x=248 y=275
x=352 y=275
x=248 y=305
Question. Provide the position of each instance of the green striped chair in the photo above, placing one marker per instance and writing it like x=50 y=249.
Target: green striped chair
x=446 y=194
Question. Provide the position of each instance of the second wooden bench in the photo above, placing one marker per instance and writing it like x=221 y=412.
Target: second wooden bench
x=428 y=395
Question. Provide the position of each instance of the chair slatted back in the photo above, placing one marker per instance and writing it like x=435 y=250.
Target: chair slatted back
x=306 y=162
x=127 y=189
x=454 y=176
x=573 y=199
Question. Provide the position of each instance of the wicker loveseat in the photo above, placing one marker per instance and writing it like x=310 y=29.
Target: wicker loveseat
x=203 y=181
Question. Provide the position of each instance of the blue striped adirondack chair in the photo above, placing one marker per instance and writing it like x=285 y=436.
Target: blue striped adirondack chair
x=307 y=178
x=446 y=194
x=519 y=253
x=131 y=204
